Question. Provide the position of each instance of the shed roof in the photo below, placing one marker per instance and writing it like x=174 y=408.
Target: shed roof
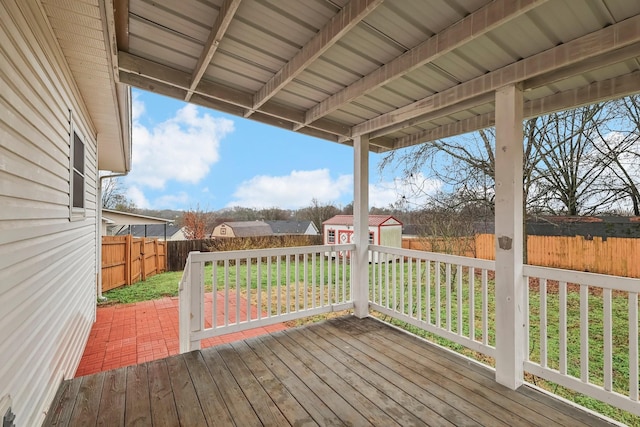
x=150 y=230
x=290 y=227
x=128 y=218
x=249 y=228
x=401 y=72
x=374 y=220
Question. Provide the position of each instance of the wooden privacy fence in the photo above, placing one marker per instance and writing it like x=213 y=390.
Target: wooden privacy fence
x=613 y=255
x=127 y=260
x=178 y=250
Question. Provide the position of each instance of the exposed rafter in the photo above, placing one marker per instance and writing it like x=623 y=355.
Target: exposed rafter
x=595 y=92
x=618 y=55
x=158 y=78
x=476 y=24
x=614 y=37
x=225 y=15
x=338 y=26
x=434 y=115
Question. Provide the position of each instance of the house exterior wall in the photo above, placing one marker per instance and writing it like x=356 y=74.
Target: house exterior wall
x=48 y=257
x=178 y=235
x=311 y=230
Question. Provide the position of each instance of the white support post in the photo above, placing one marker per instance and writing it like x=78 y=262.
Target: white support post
x=360 y=260
x=191 y=305
x=197 y=302
x=510 y=286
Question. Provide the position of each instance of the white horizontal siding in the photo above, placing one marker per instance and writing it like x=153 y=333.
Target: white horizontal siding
x=47 y=262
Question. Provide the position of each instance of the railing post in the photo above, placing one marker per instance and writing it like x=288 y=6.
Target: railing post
x=191 y=304
x=360 y=263
x=510 y=286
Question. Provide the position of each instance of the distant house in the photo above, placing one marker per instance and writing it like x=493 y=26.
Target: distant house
x=242 y=229
x=384 y=230
x=293 y=227
x=157 y=231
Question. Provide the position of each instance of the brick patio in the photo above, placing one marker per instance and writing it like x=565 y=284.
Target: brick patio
x=129 y=334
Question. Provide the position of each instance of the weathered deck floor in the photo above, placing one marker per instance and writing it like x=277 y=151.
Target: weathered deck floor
x=343 y=371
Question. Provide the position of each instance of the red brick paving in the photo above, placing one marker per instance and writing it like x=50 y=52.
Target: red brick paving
x=128 y=334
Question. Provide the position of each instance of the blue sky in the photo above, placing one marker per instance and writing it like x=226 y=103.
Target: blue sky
x=186 y=156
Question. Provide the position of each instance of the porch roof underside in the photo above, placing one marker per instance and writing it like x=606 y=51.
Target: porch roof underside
x=402 y=72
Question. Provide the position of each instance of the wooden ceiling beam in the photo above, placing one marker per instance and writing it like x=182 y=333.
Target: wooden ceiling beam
x=350 y=16
x=155 y=77
x=472 y=26
x=613 y=88
x=619 y=55
x=434 y=115
x=616 y=36
x=121 y=19
x=225 y=16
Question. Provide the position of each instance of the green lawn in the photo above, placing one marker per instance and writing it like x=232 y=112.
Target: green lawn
x=405 y=298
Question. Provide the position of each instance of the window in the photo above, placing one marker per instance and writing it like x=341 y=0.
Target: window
x=78 y=172
x=223 y=230
x=76 y=176
x=371 y=238
x=331 y=236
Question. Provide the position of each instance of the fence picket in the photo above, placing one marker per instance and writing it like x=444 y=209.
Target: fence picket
x=126 y=260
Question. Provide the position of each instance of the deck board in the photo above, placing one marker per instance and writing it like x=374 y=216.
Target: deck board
x=213 y=407
x=344 y=371
x=265 y=408
x=187 y=404
x=85 y=410
x=163 y=407
x=112 y=401
x=137 y=404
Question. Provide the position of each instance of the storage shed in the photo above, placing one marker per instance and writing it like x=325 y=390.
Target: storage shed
x=242 y=229
x=384 y=230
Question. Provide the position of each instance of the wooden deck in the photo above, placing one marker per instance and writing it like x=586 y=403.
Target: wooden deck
x=343 y=371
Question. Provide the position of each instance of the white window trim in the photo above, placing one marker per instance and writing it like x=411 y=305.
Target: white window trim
x=77 y=213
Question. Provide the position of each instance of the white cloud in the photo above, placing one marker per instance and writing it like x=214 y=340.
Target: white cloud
x=291 y=191
x=413 y=192
x=137 y=108
x=172 y=201
x=137 y=197
x=182 y=148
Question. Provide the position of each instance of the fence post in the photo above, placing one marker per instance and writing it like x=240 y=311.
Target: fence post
x=156 y=249
x=127 y=259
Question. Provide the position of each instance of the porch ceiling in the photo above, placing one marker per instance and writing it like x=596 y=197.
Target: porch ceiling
x=403 y=72
x=82 y=29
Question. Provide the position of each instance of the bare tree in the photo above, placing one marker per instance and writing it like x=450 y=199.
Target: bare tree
x=317 y=212
x=563 y=168
x=619 y=144
x=569 y=166
x=114 y=195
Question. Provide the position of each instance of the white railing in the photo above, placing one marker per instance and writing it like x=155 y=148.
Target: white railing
x=578 y=324
x=449 y=296
x=446 y=295
x=253 y=288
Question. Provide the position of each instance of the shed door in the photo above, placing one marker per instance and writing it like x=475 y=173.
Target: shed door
x=345 y=237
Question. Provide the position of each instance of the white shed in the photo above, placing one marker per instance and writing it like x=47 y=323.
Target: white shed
x=384 y=230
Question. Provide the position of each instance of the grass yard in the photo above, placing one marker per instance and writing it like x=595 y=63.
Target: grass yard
x=155 y=287
x=268 y=280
